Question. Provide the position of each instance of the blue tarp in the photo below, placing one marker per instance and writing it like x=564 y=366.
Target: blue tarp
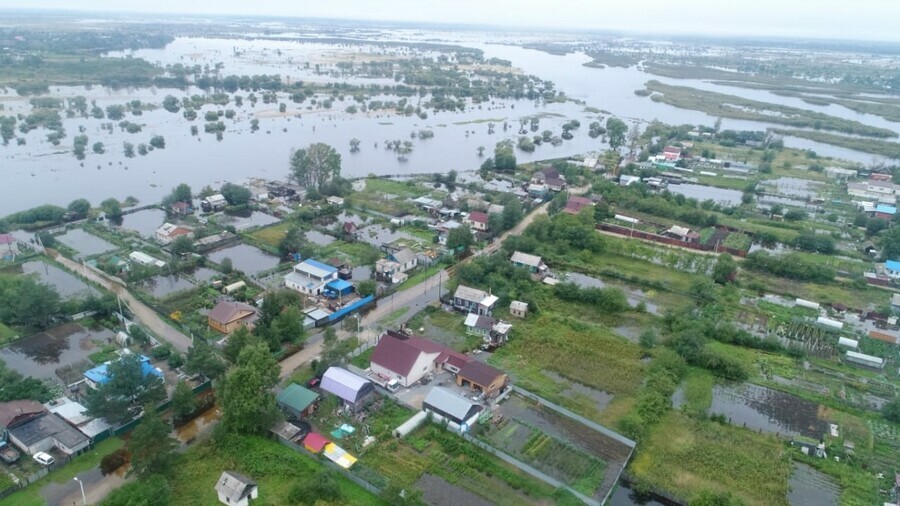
x=100 y=375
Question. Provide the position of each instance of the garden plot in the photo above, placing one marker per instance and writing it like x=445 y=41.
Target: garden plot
x=584 y=458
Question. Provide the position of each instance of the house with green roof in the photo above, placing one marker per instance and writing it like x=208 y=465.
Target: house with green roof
x=297 y=401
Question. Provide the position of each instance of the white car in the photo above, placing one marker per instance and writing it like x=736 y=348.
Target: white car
x=43 y=458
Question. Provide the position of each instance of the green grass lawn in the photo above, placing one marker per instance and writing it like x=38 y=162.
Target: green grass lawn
x=274 y=466
x=6 y=333
x=686 y=456
x=418 y=277
x=698 y=385
x=30 y=496
x=271 y=235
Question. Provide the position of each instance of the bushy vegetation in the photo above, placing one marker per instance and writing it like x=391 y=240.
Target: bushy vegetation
x=790 y=266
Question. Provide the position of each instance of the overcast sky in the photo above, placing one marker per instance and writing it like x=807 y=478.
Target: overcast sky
x=856 y=19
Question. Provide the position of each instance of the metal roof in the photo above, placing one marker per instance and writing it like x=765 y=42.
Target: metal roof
x=525 y=259
x=234 y=486
x=470 y=294
x=449 y=403
x=344 y=384
x=315 y=268
x=296 y=397
x=48 y=426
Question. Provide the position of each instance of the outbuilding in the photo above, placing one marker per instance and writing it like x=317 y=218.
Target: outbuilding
x=864 y=360
x=350 y=388
x=448 y=404
x=297 y=401
x=236 y=489
x=518 y=309
x=481 y=377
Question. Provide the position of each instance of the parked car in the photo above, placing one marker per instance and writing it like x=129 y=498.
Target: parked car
x=43 y=458
x=313 y=383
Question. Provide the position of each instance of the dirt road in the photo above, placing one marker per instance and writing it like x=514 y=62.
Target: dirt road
x=146 y=315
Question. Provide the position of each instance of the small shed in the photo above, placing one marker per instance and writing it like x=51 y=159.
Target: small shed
x=452 y=406
x=849 y=343
x=314 y=442
x=236 y=489
x=297 y=400
x=351 y=388
x=518 y=309
x=338 y=288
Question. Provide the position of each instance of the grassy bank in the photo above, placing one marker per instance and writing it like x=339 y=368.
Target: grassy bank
x=876 y=147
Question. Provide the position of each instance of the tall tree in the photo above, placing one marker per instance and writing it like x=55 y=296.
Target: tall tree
x=460 y=237
x=237 y=341
x=129 y=386
x=246 y=392
x=236 y=195
x=25 y=301
x=202 y=359
x=183 y=403
x=616 y=129
x=112 y=208
x=504 y=157
x=79 y=207
x=150 y=445
x=315 y=165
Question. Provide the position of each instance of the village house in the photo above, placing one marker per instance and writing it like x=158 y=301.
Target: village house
x=626 y=180
x=473 y=300
x=671 y=153
x=482 y=377
x=538 y=191
x=443 y=229
x=518 y=308
x=492 y=331
x=98 y=376
x=213 y=203
x=556 y=184
x=533 y=263
x=14 y=413
x=405 y=258
x=575 y=204
x=350 y=229
x=75 y=414
x=885 y=212
x=235 y=489
x=227 y=316
x=892 y=269
x=182 y=208
x=389 y=271
x=495 y=209
x=840 y=173
x=682 y=234
x=144 y=259
x=444 y=403
x=46 y=431
x=430 y=205
x=169 y=232
x=409 y=358
x=547 y=174
x=310 y=277
x=477 y=220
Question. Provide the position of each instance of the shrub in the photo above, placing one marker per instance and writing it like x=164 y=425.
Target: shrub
x=114 y=461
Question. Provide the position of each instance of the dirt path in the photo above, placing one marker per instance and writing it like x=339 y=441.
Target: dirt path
x=146 y=315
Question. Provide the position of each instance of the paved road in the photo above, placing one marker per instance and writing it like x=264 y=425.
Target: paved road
x=146 y=315
x=415 y=298
x=96 y=488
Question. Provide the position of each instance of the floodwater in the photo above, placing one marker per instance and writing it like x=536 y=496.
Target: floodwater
x=163 y=286
x=189 y=431
x=635 y=297
x=65 y=284
x=247 y=220
x=39 y=355
x=361 y=273
x=767 y=410
x=316 y=237
x=376 y=235
x=701 y=193
x=201 y=160
x=144 y=222
x=811 y=487
x=245 y=258
x=623 y=495
x=573 y=388
x=84 y=243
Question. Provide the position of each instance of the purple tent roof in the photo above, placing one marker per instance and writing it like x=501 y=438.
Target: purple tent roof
x=345 y=384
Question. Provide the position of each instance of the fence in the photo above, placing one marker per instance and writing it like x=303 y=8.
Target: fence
x=24 y=482
x=647 y=236
x=331 y=465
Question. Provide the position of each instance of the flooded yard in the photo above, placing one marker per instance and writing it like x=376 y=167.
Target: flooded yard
x=247 y=220
x=810 y=487
x=767 y=410
x=84 y=243
x=67 y=285
x=319 y=238
x=247 y=259
x=634 y=296
x=376 y=235
x=144 y=222
x=575 y=389
x=163 y=286
x=39 y=355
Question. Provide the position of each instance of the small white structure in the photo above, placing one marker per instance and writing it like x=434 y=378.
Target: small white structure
x=518 y=309
x=410 y=425
x=806 y=303
x=627 y=219
x=213 y=203
x=626 y=180
x=828 y=322
x=335 y=201
x=145 y=259
x=849 y=343
x=236 y=489
x=233 y=287
x=864 y=360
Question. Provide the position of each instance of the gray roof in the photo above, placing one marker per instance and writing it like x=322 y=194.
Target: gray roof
x=47 y=426
x=345 y=384
x=234 y=486
x=525 y=259
x=404 y=255
x=449 y=403
x=470 y=294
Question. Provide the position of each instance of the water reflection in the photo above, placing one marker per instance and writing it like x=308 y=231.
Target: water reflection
x=244 y=258
x=65 y=284
x=84 y=243
x=144 y=222
x=760 y=408
x=39 y=355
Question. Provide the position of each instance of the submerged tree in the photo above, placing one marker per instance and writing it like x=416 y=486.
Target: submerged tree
x=315 y=165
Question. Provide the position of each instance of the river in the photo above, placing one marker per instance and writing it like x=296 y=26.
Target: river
x=38 y=172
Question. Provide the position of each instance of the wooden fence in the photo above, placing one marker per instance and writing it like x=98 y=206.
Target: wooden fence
x=661 y=239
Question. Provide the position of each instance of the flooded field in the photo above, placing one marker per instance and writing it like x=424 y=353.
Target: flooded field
x=188 y=432
x=163 y=286
x=144 y=222
x=701 y=193
x=84 y=243
x=810 y=487
x=376 y=235
x=575 y=389
x=316 y=237
x=767 y=410
x=67 y=285
x=39 y=355
x=634 y=296
x=247 y=220
x=623 y=495
x=246 y=259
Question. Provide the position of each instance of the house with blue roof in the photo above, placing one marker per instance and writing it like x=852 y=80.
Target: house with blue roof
x=99 y=375
x=310 y=277
x=885 y=211
x=338 y=288
x=892 y=269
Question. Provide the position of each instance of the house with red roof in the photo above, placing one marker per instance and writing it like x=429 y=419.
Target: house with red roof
x=478 y=221
x=575 y=204
x=671 y=153
x=408 y=358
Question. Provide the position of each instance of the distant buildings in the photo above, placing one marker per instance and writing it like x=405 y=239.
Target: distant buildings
x=213 y=203
x=310 y=277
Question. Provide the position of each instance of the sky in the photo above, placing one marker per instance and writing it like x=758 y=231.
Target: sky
x=841 y=19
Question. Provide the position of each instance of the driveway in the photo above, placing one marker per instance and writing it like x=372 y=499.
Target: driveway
x=96 y=487
x=147 y=316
